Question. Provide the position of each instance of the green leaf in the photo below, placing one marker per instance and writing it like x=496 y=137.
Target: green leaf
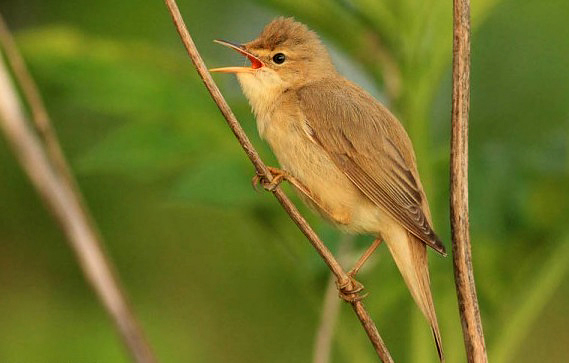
x=218 y=181
x=153 y=121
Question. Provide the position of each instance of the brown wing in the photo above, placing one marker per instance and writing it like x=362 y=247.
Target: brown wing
x=372 y=149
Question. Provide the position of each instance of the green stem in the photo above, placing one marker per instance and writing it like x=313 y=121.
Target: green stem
x=413 y=106
x=533 y=300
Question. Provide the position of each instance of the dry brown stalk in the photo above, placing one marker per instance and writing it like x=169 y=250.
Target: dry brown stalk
x=34 y=100
x=50 y=175
x=461 y=250
x=261 y=169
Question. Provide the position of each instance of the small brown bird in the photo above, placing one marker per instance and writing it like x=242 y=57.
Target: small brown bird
x=344 y=152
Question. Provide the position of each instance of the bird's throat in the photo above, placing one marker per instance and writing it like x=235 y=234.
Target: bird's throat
x=262 y=89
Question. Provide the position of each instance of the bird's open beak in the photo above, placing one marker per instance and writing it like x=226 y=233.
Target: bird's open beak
x=255 y=62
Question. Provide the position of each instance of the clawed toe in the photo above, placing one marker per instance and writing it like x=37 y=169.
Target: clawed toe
x=278 y=176
x=350 y=289
x=255 y=182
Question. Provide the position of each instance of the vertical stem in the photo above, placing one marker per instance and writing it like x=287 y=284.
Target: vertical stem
x=463 y=274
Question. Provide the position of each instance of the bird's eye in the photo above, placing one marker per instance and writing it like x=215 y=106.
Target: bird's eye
x=279 y=58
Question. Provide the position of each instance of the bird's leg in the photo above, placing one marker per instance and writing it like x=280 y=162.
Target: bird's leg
x=353 y=272
x=350 y=288
x=278 y=176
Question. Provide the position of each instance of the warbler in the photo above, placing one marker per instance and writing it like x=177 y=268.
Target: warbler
x=345 y=152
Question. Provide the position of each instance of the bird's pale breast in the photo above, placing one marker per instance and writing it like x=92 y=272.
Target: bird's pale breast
x=333 y=194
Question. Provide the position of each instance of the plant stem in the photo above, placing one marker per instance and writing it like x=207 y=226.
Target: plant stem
x=330 y=309
x=63 y=200
x=533 y=300
x=462 y=255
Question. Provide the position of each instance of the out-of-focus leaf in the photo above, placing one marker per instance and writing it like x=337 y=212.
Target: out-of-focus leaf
x=161 y=122
x=145 y=150
x=547 y=204
x=218 y=181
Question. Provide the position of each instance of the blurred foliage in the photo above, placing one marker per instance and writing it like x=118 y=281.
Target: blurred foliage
x=219 y=273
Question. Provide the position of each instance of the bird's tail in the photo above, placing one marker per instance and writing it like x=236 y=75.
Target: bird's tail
x=410 y=255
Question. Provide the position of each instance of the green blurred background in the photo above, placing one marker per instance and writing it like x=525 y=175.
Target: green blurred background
x=217 y=272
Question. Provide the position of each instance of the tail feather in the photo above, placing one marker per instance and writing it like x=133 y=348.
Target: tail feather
x=410 y=255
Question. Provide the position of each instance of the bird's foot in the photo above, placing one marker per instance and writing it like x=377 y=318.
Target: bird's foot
x=278 y=176
x=349 y=290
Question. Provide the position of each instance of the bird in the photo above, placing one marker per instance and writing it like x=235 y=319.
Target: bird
x=345 y=153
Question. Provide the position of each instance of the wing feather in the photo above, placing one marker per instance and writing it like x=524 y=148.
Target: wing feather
x=372 y=149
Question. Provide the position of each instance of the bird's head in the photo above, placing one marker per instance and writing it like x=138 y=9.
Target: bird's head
x=286 y=55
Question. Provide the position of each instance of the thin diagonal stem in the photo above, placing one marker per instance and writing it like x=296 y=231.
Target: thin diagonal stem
x=50 y=175
x=261 y=168
x=34 y=100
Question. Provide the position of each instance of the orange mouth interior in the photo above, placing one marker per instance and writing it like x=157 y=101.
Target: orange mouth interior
x=256 y=63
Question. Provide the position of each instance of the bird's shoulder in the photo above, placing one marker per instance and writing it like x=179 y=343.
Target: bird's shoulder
x=342 y=110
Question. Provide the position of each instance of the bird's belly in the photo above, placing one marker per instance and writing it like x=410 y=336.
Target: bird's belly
x=331 y=192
